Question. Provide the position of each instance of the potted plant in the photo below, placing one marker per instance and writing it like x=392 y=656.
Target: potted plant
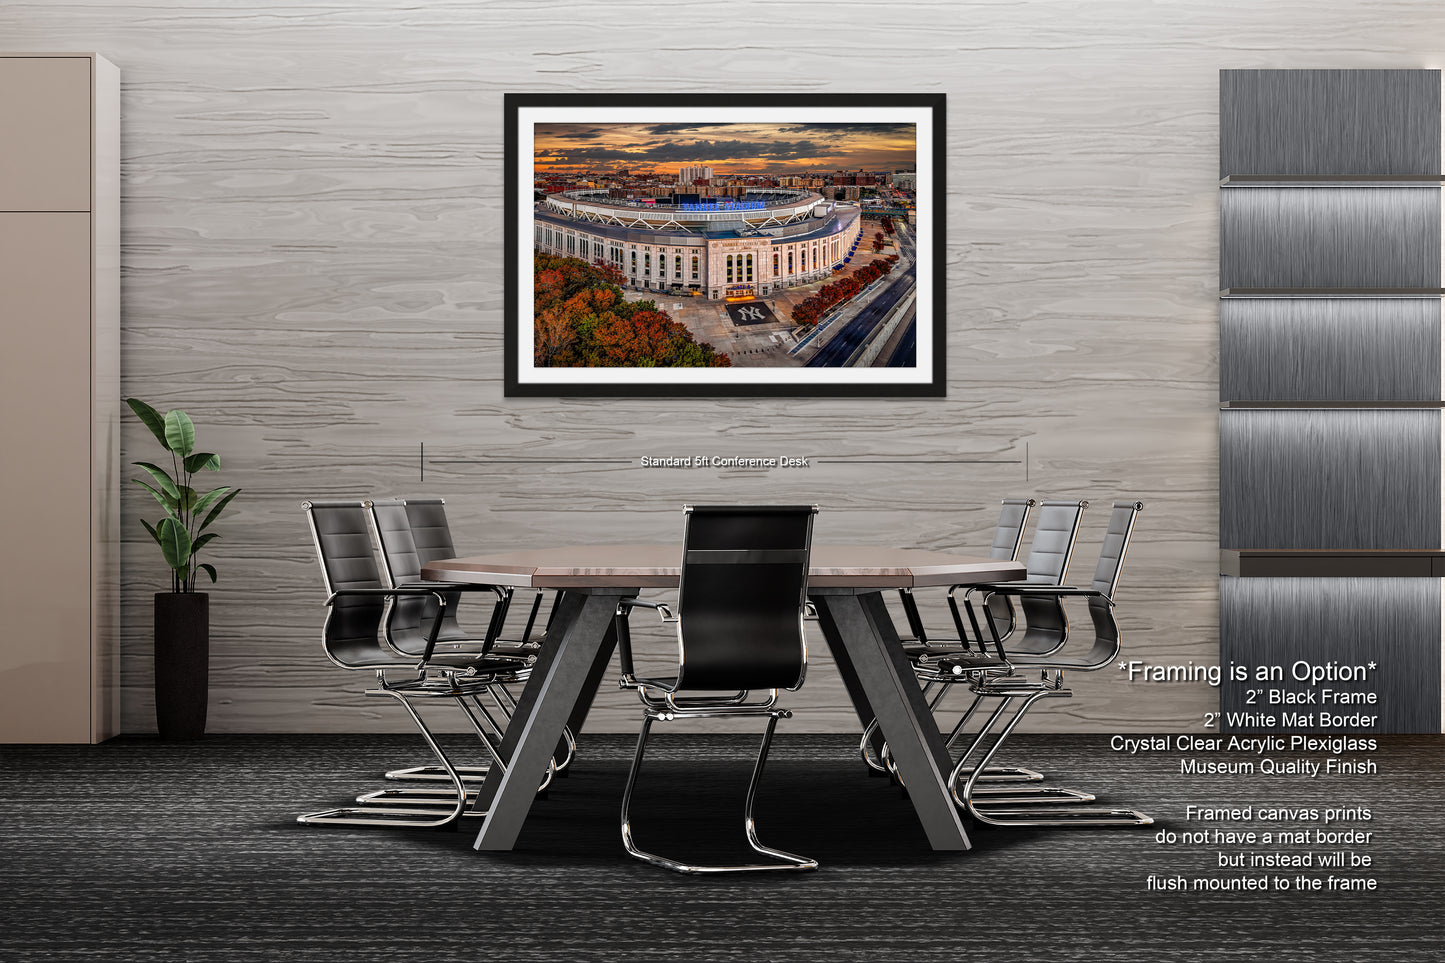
x=182 y=615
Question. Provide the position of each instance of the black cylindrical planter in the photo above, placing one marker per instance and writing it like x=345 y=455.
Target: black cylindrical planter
x=183 y=644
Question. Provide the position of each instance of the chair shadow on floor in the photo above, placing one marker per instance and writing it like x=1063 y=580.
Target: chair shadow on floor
x=831 y=809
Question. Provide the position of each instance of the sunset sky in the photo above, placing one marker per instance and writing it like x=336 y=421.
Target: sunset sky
x=726 y=148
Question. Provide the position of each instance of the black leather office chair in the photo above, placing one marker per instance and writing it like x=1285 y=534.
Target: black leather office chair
x=352 y=639
x=740 y=610
x=412 y=532
x=995 y=678
x=1046 y=627
x=401 y=563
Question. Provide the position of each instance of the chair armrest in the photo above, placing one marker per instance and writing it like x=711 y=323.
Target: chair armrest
x=663 y=611
x=1054 y=591
x=974 y=586
x=500 y=607
x=429 y=585
x=1036 y=588
x=409 y=591
x=623 y=631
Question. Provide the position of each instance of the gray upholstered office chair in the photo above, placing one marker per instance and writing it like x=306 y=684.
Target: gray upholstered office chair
x=1045 y=623
x=994 y=677
x=1045 y=628
x=741 y=604
x=352 y=639
x=1008 y=535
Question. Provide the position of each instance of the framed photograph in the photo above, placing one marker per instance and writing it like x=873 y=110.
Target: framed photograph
x=722 y=245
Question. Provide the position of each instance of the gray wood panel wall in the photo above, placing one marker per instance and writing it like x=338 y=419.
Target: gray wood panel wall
x=312 y=230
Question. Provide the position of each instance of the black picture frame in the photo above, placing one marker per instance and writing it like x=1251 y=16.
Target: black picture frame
x=523 y=112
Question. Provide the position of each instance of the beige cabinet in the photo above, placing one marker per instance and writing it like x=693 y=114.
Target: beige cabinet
x=59 y=397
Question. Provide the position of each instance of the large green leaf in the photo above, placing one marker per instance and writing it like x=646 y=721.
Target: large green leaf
x=152 y=529
x=210 y=570
x=167 y=502
x=161 y=476
x=200 y=542
x=207 y=498
x=217 y=509
x=175 y=543
x=152 y=418
x=180 y=433
x=186 y=499
x=203 y=461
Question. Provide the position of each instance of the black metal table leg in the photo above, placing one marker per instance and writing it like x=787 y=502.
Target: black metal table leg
x=864 y=643
x=549 y=699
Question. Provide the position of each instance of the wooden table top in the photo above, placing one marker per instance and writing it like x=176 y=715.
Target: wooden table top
x=657 y=566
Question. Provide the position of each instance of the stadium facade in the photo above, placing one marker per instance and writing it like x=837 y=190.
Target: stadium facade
x=714 y=247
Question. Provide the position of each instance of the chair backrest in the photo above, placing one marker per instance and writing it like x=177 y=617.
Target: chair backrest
x=429 y=529
x=741 y=596
x=398 y=545
x=1053 y=543
x=1116 y=544
x=1008 y=535
x=342 y=537
x=1106 y=579
x=1046 y=624
x=400 y=524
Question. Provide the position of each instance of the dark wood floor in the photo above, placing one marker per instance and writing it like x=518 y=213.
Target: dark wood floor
x=138 y=850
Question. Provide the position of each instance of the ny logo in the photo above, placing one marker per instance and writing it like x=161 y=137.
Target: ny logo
x=751 y=312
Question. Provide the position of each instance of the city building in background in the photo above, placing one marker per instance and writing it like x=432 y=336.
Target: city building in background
x=691 y=175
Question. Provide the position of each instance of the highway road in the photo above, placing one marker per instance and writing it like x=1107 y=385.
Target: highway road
x=840 y=347
x=905 y=355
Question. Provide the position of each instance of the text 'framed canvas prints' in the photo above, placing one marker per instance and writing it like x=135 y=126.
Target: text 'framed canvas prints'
x=719 y=245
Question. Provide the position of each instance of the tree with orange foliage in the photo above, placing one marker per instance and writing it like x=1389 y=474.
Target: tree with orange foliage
x=581 y=319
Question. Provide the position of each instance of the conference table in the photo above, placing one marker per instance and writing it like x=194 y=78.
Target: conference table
x=845 y=582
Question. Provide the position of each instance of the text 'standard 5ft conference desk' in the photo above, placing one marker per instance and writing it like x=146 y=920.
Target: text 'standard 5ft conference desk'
x=846 y=583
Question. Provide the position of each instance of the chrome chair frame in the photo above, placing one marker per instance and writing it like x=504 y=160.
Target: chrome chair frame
x=1045 y=629
x=1008 y=536
x=428 y=682
x=402 y=557
x=664 y=700
x=995 y=682
x=355 y=641
x=786 y=860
